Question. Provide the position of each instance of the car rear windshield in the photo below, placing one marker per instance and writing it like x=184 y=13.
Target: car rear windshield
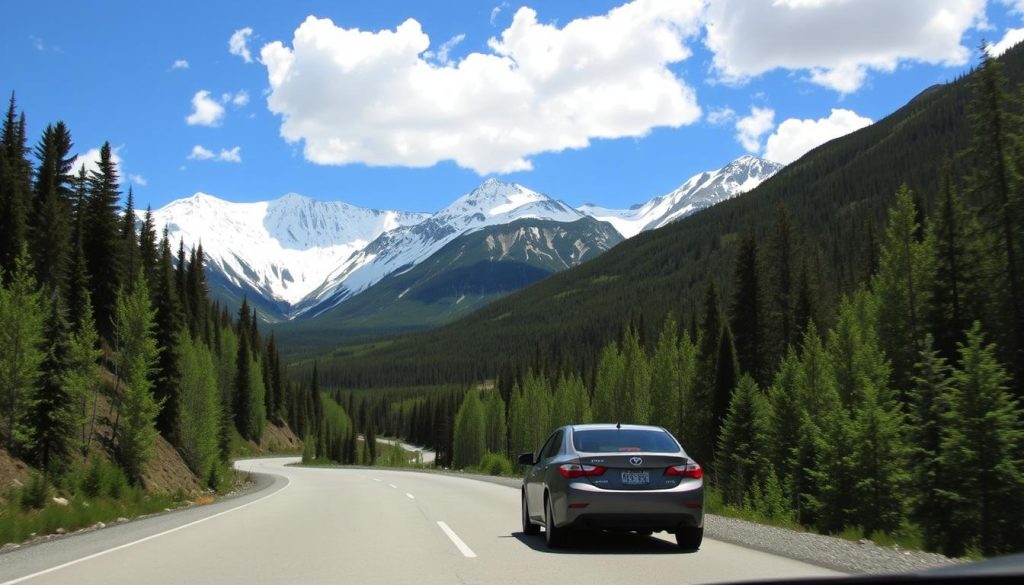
x=624 y=441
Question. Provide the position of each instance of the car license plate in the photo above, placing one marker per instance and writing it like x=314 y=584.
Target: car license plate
x=636 y=477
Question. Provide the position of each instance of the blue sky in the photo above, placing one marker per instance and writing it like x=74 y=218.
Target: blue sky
x=391 y=120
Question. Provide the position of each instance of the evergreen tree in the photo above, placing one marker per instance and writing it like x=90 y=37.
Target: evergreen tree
x=995 y=183
x=101 y=241
x=927 y=403
x=50 y=231
x=495 y=427
x=725 y=383
x=15 y=178
x=243 y=384
x=666 y=379
x=129 y=241
x=856 y=358
x=167 y=374
x=742 y=456
x=199 y=418
x=149 y=251
x=982 y=441
x=781 y=289
x=746 y=324
x=784 y=419
x=571 y=405
x=609 y=386
x=136 y=357
x=83 y=375
x=50 y=417
x=21 y=344
x=635 y=402
x=902 y=282
x=880 y=459
x=691 y=413
x=470 y=432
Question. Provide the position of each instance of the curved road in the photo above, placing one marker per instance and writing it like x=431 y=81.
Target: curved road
x=324 y=525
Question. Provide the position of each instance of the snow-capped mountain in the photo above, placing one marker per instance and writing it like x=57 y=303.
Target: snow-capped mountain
x=492 y=203
x=697 y=193
x=281 y=250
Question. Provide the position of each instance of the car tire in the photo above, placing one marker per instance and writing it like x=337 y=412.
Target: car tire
x=689 y=538
x=528 y=526
x=554 y=536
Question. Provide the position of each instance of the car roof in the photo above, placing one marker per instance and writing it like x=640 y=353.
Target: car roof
x=613 y=426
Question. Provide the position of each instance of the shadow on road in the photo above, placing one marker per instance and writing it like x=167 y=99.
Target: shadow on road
x=602 y=543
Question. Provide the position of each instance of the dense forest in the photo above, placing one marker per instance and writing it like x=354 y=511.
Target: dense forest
x=837 y=195
x=877 y=389
x=110 y=338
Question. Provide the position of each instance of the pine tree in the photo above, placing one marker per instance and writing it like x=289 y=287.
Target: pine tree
x=746 y=324
x=856 y=356
x=666 y=379
x=742 y=456
x=199 y=417
x=880 y=457
x=495 y=426
x=21 y=342
x=149 y=251
x=785 y=409
x=129 y=241
x=49 y=222
x=15 y=178
x=902 y=284
x=691 y=413
x=50 y=417
x=571 y=405
x=781 y=285
x=635 y=402
x=725 y=382
x=167 y=374
x=470 y=432
x=243 y=382
x=83 y=375
x=995 y=183
x=608 y=385
x=982 y=441
x=101 y=241
x=137 y=354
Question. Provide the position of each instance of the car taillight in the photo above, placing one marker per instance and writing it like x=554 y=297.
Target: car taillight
x=572 y=470
x=689 y=469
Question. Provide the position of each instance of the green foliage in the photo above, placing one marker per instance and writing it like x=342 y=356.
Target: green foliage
x=36 y=494
x=308 y=449
x=470 y=432
x=666 y=380
x=21 y=340
x=136 y=355
x=199 y=407
x=741 y=448
x=496 y=464
x=570 y=404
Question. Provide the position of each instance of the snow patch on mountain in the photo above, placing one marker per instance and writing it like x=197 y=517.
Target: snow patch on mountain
x=282 y=249
x=698 y=192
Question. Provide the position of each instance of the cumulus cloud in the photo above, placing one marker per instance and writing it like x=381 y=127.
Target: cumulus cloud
x=370 y=97
x=205 y=110
x=91 y=159
x=1011 y=38
x=199 y=152
x=837 y=42
x=238 y=99
x=180 y=64
x=750 y=129
x=238 y=44
x=794 y=138
x=721 y=116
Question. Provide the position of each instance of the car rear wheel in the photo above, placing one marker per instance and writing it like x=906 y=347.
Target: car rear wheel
x=689 y=538
x=554 y=536
x=528 y=526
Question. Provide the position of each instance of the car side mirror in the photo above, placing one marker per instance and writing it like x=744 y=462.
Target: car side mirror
x=526 y=459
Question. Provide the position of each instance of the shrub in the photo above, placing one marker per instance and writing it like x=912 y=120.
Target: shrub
x=496 y=464
x=36 y=493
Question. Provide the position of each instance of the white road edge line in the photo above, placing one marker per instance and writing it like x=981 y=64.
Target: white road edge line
x=465 y=550
x=141 y=540
x=410 y=496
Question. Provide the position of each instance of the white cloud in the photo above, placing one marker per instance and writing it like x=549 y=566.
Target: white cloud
x=372 y=97
x=497 y=10
x=721 y=116
x=239 y=44
x=445 y=48
x=199 y=152
x=91 y=158
x=750 y=129
x=837 y=41
x=794 y=138
x=239 y=99
x=1011 y=38
x=1015 y=5
x=138 y=180
x=233 y=155
x=206 y=111
x=180 y=64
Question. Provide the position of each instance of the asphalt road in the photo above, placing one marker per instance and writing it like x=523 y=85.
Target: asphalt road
x=330 y=525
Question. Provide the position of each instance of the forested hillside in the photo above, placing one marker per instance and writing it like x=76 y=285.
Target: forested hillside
x=109 y=338
x=836 y=198
x=850 y=350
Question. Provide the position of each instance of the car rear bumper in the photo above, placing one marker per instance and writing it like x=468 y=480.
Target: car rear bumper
x=587 y=506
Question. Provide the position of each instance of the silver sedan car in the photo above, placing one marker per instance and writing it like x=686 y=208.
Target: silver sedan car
x=613 y=477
